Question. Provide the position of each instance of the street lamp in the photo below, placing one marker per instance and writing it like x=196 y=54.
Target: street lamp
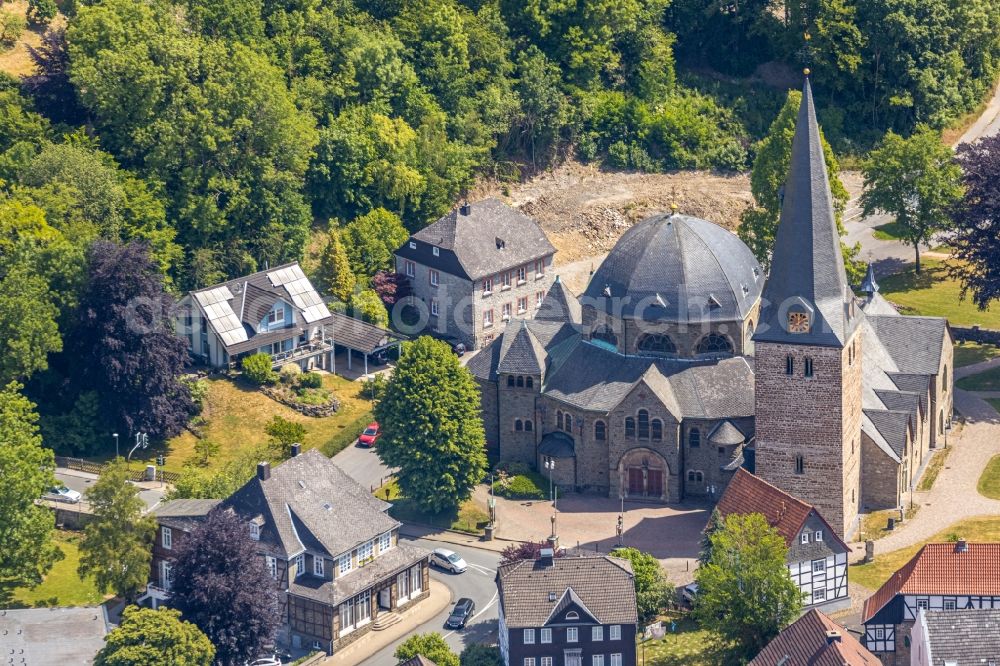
x=116 y=444
x=550 y=465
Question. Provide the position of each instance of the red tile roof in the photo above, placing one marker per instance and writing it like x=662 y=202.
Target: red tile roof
x=940 y=568
x=787 y=514
x=806 y=642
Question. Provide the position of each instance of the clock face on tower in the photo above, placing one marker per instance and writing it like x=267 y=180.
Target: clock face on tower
x=798 y=322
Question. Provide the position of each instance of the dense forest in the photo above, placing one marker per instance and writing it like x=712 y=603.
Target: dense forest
x=206 y=138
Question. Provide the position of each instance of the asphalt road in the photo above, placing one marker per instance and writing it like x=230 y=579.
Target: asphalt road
x=476 y=583
x=362 y=464
x=81 y=481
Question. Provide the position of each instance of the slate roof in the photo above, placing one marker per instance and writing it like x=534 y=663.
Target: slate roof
x=490 y=238
x=557 y=444
x=747 y=493
x=915 y=343
x=892 y=425
x=869 y=285
x=385 y=566
x=520 y=350
x=603 y=583
x=559 y=305
x=726 y=434
x=680 y=269
x=965 y=637
x=939 y=568
x=807 y=262
x=807 y=642
x=875 y=304
x=183 y=514
x=310 y=502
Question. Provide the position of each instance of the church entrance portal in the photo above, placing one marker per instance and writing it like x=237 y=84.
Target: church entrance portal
x=644 y=475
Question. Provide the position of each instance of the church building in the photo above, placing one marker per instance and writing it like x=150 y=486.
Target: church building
x=682 y=362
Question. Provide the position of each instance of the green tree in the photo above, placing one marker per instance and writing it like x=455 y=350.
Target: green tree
x=41 y=12
x=334 y=275
x=284 y=433
x=147 y=636
x=204 y=450
x=477 y=654
x=430 y=645
x=28 y=324
x=745 y=593
x=652 y=590
x=759 y=223
x=26 y=467
x=368 y=305
x=259 y=369
x=713 y=526
x=917 y=180
x=370 y=241
x=116 y=548
x=432 y=428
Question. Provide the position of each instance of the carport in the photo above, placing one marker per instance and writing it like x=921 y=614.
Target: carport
x=361 y=337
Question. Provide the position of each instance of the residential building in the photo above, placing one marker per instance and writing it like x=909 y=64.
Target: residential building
x=276 y=311
x=815 y=640
x=680 y=364
x=31 y=636
x=330 y=546
x=567 y=611
x=956 y=638
x=944 y=577
x=817 y=557
x=175 y=520
x=475 y=269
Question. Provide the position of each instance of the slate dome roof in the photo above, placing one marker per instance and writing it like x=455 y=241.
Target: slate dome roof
x=677 y=268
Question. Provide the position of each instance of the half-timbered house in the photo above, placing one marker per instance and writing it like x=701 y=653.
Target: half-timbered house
x=814 y=640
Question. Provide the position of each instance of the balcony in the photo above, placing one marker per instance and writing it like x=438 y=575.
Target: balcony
x=314 y=347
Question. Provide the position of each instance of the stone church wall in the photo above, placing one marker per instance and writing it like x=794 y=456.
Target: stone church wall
x=879 y=478
x=517 y=403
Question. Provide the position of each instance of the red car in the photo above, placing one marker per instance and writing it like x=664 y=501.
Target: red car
x=368 y=437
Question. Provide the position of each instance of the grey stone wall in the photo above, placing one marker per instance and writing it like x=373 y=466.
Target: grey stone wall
x=488 y=408
x=880 y=478
x=517 y=403
x=625 y=451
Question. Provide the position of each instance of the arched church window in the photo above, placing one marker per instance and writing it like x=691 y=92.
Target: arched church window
x=604 y=333
x=715 y=343
x=510 y=380
x=808 y=367
x=559 y=420
x=569 y=423
x=945 y=378
x=691 y=475
x=529 y=382
x=657 y=343
x=694 y=438
x=657 y=429
x=520 y=381
x=643 y=418
x=528 y=425
x=800 y=464
x=629 y=426
x=789 y=365
x=600 y=431
x=518 y=425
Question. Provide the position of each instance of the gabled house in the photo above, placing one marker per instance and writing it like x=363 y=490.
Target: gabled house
x=477 y=268
x=940 y=577
x=330 y=546
x=817 y=557
x=815 y=640
x=277 y=311
x=567 y=611
x=956 y=638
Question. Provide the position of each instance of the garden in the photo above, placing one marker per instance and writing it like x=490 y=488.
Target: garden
x=470 y=517
x=61 y=585
x=933 y=293
x=518 y=481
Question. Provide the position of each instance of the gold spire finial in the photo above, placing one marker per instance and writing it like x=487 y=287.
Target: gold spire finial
x=806 y=71
x=674 y=207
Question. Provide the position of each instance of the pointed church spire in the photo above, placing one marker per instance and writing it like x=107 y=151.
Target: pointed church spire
x=869 y=285
x=807 y=299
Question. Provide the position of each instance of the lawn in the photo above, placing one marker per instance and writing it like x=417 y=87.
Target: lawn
x=989 y=482
x=61 y=586
x=236 y=414
x=933 y=293
x=984 y=381
x=889 y=231
x=934 y=468
x=872 y=575
x=688 y=645
x=970 y=353
x=471 y=517
x=874 y=524
x=994 y=402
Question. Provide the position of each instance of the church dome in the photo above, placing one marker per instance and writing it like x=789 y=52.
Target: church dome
x=677 y=268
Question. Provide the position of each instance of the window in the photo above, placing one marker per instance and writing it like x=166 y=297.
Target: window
x=615 y=633
x=880 y=634
x=529 y=661
x=808 y=367
x=411 y=269
x=506 y=310
x=385 y=542
x=505 y=280
x=572 y=633
x=344 y=564
x=819 y=594
x=559 y=420
x=800 y=464
x=254 y=531
x=694 y=438
x=520 y=381
x=413 y=246
x=643 y=419
x=695 y=476
x=804 y=538
x=167 y=537
x=435 y=311
x=529 y=636
x=546 y=661
x=272 y=566
x=540 y=268
x=166 y=575
x=416 y=579
x=487 y=318
x=657 y=429
x=714 y=343
x=522 y=304
x=436 y=251
x=276 y=315
x=597 y=660
x=518 y=425
x=510 y=381
x=528 y=425
x=597 y=633
x=318 y=566
x=629 y=426
x=949 y=604
x=487 y=286
x=300 y=565
x=569 y=423
x=789 y=365
x=657 y=343
x=819 y=566
x=539 y=297
x=600 y=431
x=818 y=536
x=522 y=275
x=546 y=635
x=365 y=551
x=529 y=382
x=434 y=277
x=922 y=604
x=616 y=659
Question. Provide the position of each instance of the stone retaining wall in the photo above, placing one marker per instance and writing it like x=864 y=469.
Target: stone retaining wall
x=316 y=411
x=976 y=334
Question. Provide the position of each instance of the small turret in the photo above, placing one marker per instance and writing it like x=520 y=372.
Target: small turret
x=869 y=286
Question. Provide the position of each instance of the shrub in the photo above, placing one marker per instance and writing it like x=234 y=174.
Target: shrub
x=11 y=27
x=289 y=372
x=199 y=391
x=41 y=12
x=311 y=380
x=520 y=486
x=257 y=368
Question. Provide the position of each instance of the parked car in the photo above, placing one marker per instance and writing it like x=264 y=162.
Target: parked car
x=448 y=560
x=266 y=661
x=63 y=494
x=689 y=594
x=368 y=437
x=460 y=614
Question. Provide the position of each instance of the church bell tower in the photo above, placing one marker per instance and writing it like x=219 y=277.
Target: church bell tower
x=808 y=346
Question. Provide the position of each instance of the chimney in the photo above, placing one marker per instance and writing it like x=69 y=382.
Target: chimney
x=961 y=546
x=832 y=636
x=465 y=209
x=263 y=471
x=296 y=449
x=545 y=556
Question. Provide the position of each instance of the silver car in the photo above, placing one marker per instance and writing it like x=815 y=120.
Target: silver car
x=63 y=494
x=448 y=560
